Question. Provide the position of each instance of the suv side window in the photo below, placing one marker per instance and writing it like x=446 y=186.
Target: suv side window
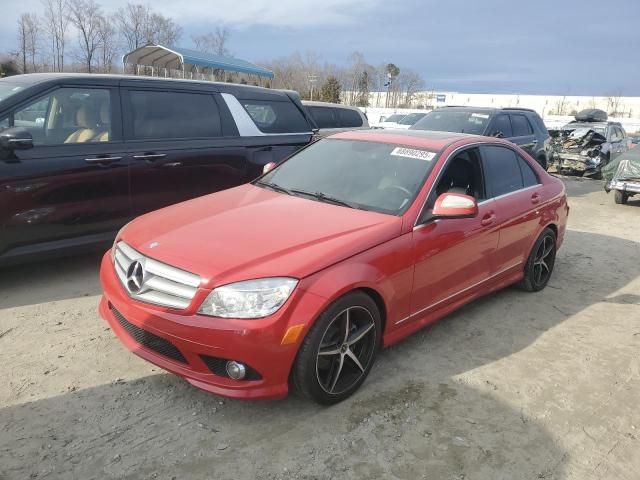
x=501 y=124
x=620 y=133
x=276 y=117
x=165 y=115
x=349 y=118
x=501 y=170
x=324 y=117
x=521 y=126
x=67 y=116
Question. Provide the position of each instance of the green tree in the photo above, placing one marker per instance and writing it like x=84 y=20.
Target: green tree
x=330 y=90
x=363 y=90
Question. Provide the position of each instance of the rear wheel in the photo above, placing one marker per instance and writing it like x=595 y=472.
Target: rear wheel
x=537 y=270
x=339 y=350
x=620 y=197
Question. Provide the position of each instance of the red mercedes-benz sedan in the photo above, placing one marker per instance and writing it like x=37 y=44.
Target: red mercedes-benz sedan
x=353 y=243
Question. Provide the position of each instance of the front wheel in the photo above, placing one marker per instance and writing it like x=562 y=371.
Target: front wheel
x=339 y=350
x=537 y=270
x=620 y=197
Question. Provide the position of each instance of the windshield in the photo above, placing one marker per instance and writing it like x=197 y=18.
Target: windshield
x=394 y=118
x=601 y=129
x=366 y=175
x=8 y=88
x=454 y=121
x=411 y=118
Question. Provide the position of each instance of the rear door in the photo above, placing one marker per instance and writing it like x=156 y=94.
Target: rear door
x=523 y=134
x=177 y=147
x=516 y=190
x=72 y=187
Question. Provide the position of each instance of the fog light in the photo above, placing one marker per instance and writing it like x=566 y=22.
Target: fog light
x=236 y=370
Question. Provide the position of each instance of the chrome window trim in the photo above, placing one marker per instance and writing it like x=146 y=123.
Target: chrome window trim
x=245 y=124
x=458 y=293
x=417 y=225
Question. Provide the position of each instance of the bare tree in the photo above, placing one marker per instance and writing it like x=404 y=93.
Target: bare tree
x=132 y=23
x=410 y=83
x=29 y=40
x=214 y=42
x=162 y=30
x=615 y=107
x=107 y=44
x=56 y=14
x=86 y=16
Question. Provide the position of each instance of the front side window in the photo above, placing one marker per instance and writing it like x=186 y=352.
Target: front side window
x=445 y=120
x=157 y=115
x=276 y=117
x=324 y=117
x=349 y=118
x=521 y=126
x=501 y=170
x=367 y=175
x=67 y=116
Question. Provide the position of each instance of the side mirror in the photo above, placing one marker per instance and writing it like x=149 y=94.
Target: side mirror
x=268 y=167
x=15 y=139
x=455 y=205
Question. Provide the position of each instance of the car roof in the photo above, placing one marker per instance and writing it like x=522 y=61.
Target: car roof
x=313 y=103
x=490 y=110
x=414 y=138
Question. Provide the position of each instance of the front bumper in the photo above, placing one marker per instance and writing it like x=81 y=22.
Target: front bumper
x=157 y=333
x=624 y=186
x=576 y=162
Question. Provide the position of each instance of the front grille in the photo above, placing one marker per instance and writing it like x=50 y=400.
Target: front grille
x=218 y=366
x=149 y=340
x=150 y=281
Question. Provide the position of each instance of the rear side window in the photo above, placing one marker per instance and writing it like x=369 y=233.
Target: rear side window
x=324 y=117
x=501 y=125
x=276 y=117
x=177 y=115
x=529 y=177
x=502 y=171
x=349 y=118
x=521 y=126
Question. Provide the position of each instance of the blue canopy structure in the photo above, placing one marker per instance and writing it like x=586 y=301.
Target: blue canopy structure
x=186 y=60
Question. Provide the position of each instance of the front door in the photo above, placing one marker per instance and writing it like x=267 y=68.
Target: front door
x=452 y=256
x=72 y=187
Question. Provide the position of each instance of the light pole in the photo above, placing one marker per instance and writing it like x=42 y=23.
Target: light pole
x=312 y=80
x=388 y=85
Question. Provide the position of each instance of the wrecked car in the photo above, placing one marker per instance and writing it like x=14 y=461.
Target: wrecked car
x=588 y=143
x=623 y=176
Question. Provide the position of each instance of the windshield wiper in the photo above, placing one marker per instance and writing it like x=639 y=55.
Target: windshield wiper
x=325 y=198
x=275 y=187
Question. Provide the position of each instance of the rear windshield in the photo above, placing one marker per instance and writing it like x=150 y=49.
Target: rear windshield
x=276 y=117
x=8 y=88
x=454 y=121
x=411 y=118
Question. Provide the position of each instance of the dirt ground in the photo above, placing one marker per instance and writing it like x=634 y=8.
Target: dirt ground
x=514 y=386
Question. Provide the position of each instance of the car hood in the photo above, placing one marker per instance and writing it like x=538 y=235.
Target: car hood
x=251 y=232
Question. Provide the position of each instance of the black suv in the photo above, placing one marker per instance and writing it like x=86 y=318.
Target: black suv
x=522 y=126
x=80 y=155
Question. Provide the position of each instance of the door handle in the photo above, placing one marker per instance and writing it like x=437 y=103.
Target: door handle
x=150 y=156
x=535 y=198
x=488 y=219
x=104 y=160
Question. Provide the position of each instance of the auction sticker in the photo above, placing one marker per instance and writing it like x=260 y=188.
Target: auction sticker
x=413 y=153
x=480 y=115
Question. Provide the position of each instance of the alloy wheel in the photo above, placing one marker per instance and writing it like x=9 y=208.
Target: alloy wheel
x=543 y=262
x=346 y=349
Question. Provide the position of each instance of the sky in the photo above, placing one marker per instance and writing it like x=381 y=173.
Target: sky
x=566 y=47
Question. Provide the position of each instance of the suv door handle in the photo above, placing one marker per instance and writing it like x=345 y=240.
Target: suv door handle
x=150 y=156
x=535 y=198
x=488 y=219
x=104 y=160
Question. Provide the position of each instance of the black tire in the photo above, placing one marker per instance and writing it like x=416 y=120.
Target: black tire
x=620 y=197
x=539 y=266
x=314 y=373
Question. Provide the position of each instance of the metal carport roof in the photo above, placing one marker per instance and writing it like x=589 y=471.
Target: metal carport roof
x=177 y=58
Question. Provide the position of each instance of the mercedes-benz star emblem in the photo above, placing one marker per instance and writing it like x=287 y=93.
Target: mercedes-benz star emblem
x=135 y=277
x=154 y=244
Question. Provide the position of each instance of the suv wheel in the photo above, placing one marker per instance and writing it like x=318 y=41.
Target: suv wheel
x=620 y=197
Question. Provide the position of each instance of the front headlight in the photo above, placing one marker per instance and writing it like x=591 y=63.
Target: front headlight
x=248 y=299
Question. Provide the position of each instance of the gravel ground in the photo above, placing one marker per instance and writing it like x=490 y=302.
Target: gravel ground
x=513 y=386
